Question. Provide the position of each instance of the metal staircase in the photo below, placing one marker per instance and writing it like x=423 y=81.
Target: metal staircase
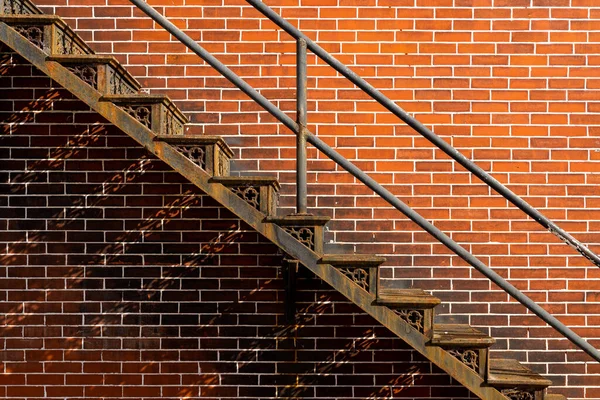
x=101 y=82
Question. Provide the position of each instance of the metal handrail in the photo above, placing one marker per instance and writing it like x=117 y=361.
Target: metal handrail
x=427 y=133
x=370 y=182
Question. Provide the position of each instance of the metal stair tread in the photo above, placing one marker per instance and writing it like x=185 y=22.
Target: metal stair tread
x=244 y=180
x=45 y=19
x=407 y=298
x=511 y=373
x=147 y=98
x=299 y=220
x=100 y=59
x=459 y=335
x=196 y=140
x=352 y=260
x=31 y=18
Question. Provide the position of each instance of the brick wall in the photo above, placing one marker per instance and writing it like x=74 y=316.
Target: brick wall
x=121 y=280
x=512 y=84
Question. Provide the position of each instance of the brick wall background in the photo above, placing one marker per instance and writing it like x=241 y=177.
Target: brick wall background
x=513 y=84
x=121 y=280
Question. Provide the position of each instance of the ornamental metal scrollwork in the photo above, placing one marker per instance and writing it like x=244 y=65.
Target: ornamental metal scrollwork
x=142 y=113
x=65 y=43
x=303 y=234
x=173 y=125
x=359 y=276
x=195 y=153
x=87 y=73
x=118 y=85
x=35 y=34
x=249 y=193
x=516 y=394
x=17 y=7
x=223 y=164
x=467 y=356
x=414 y=318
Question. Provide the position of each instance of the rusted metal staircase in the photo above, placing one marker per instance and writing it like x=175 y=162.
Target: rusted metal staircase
x=48 y=43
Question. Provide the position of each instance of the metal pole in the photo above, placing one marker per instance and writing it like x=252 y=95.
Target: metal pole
x=301 y=168
x=455 y=247
x=367 y=180
x=427 y=133
x=216 y=64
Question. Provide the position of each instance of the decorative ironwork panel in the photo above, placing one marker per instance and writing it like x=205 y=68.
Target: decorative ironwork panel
x=117 y=84
x=142 y=113
x=518 y=394
x=467 y=356
x=173 y=125
x=360 y=276
x=414 y=318
x=87 y=73
x=249 y=193
x=195 y=153
x=65 y=43
x=35 y=34
x=17 y=7
x=223 y=165
x=305 y=235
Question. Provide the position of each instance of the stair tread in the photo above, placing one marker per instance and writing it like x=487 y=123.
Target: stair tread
x=352 y=260
x=408 y=298
x=510 y=373
x=31 y=18
x=196 y=140
x=138 y=98
x=299 y=220
x=46 y=19
x=99 y=59
x=125 y=98
x=242 y=180
x=460 y=335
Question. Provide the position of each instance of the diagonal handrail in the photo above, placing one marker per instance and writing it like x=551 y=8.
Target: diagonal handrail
x=370 y=182
x=427 y=133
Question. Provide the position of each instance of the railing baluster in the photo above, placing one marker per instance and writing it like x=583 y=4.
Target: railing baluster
x=301 y=186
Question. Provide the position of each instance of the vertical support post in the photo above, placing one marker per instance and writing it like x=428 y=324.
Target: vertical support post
x=301 y=169
x=290 y=268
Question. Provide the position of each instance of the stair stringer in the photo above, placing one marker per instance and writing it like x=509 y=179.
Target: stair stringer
x=184 y=166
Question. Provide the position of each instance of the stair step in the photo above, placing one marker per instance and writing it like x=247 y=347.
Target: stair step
x=48 y=32
x=509 y=373
x=103 y=73
x=407 y=298
x=211 y=153
x=459 y=335
x=466 y=343
x=352 y=260
x=156 y=112
x=414 y=306
x=306 y=228
x=258 y=191
x=361 y=269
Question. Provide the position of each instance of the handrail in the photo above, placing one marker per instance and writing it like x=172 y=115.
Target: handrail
x=362 y=176
x=427 y=133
